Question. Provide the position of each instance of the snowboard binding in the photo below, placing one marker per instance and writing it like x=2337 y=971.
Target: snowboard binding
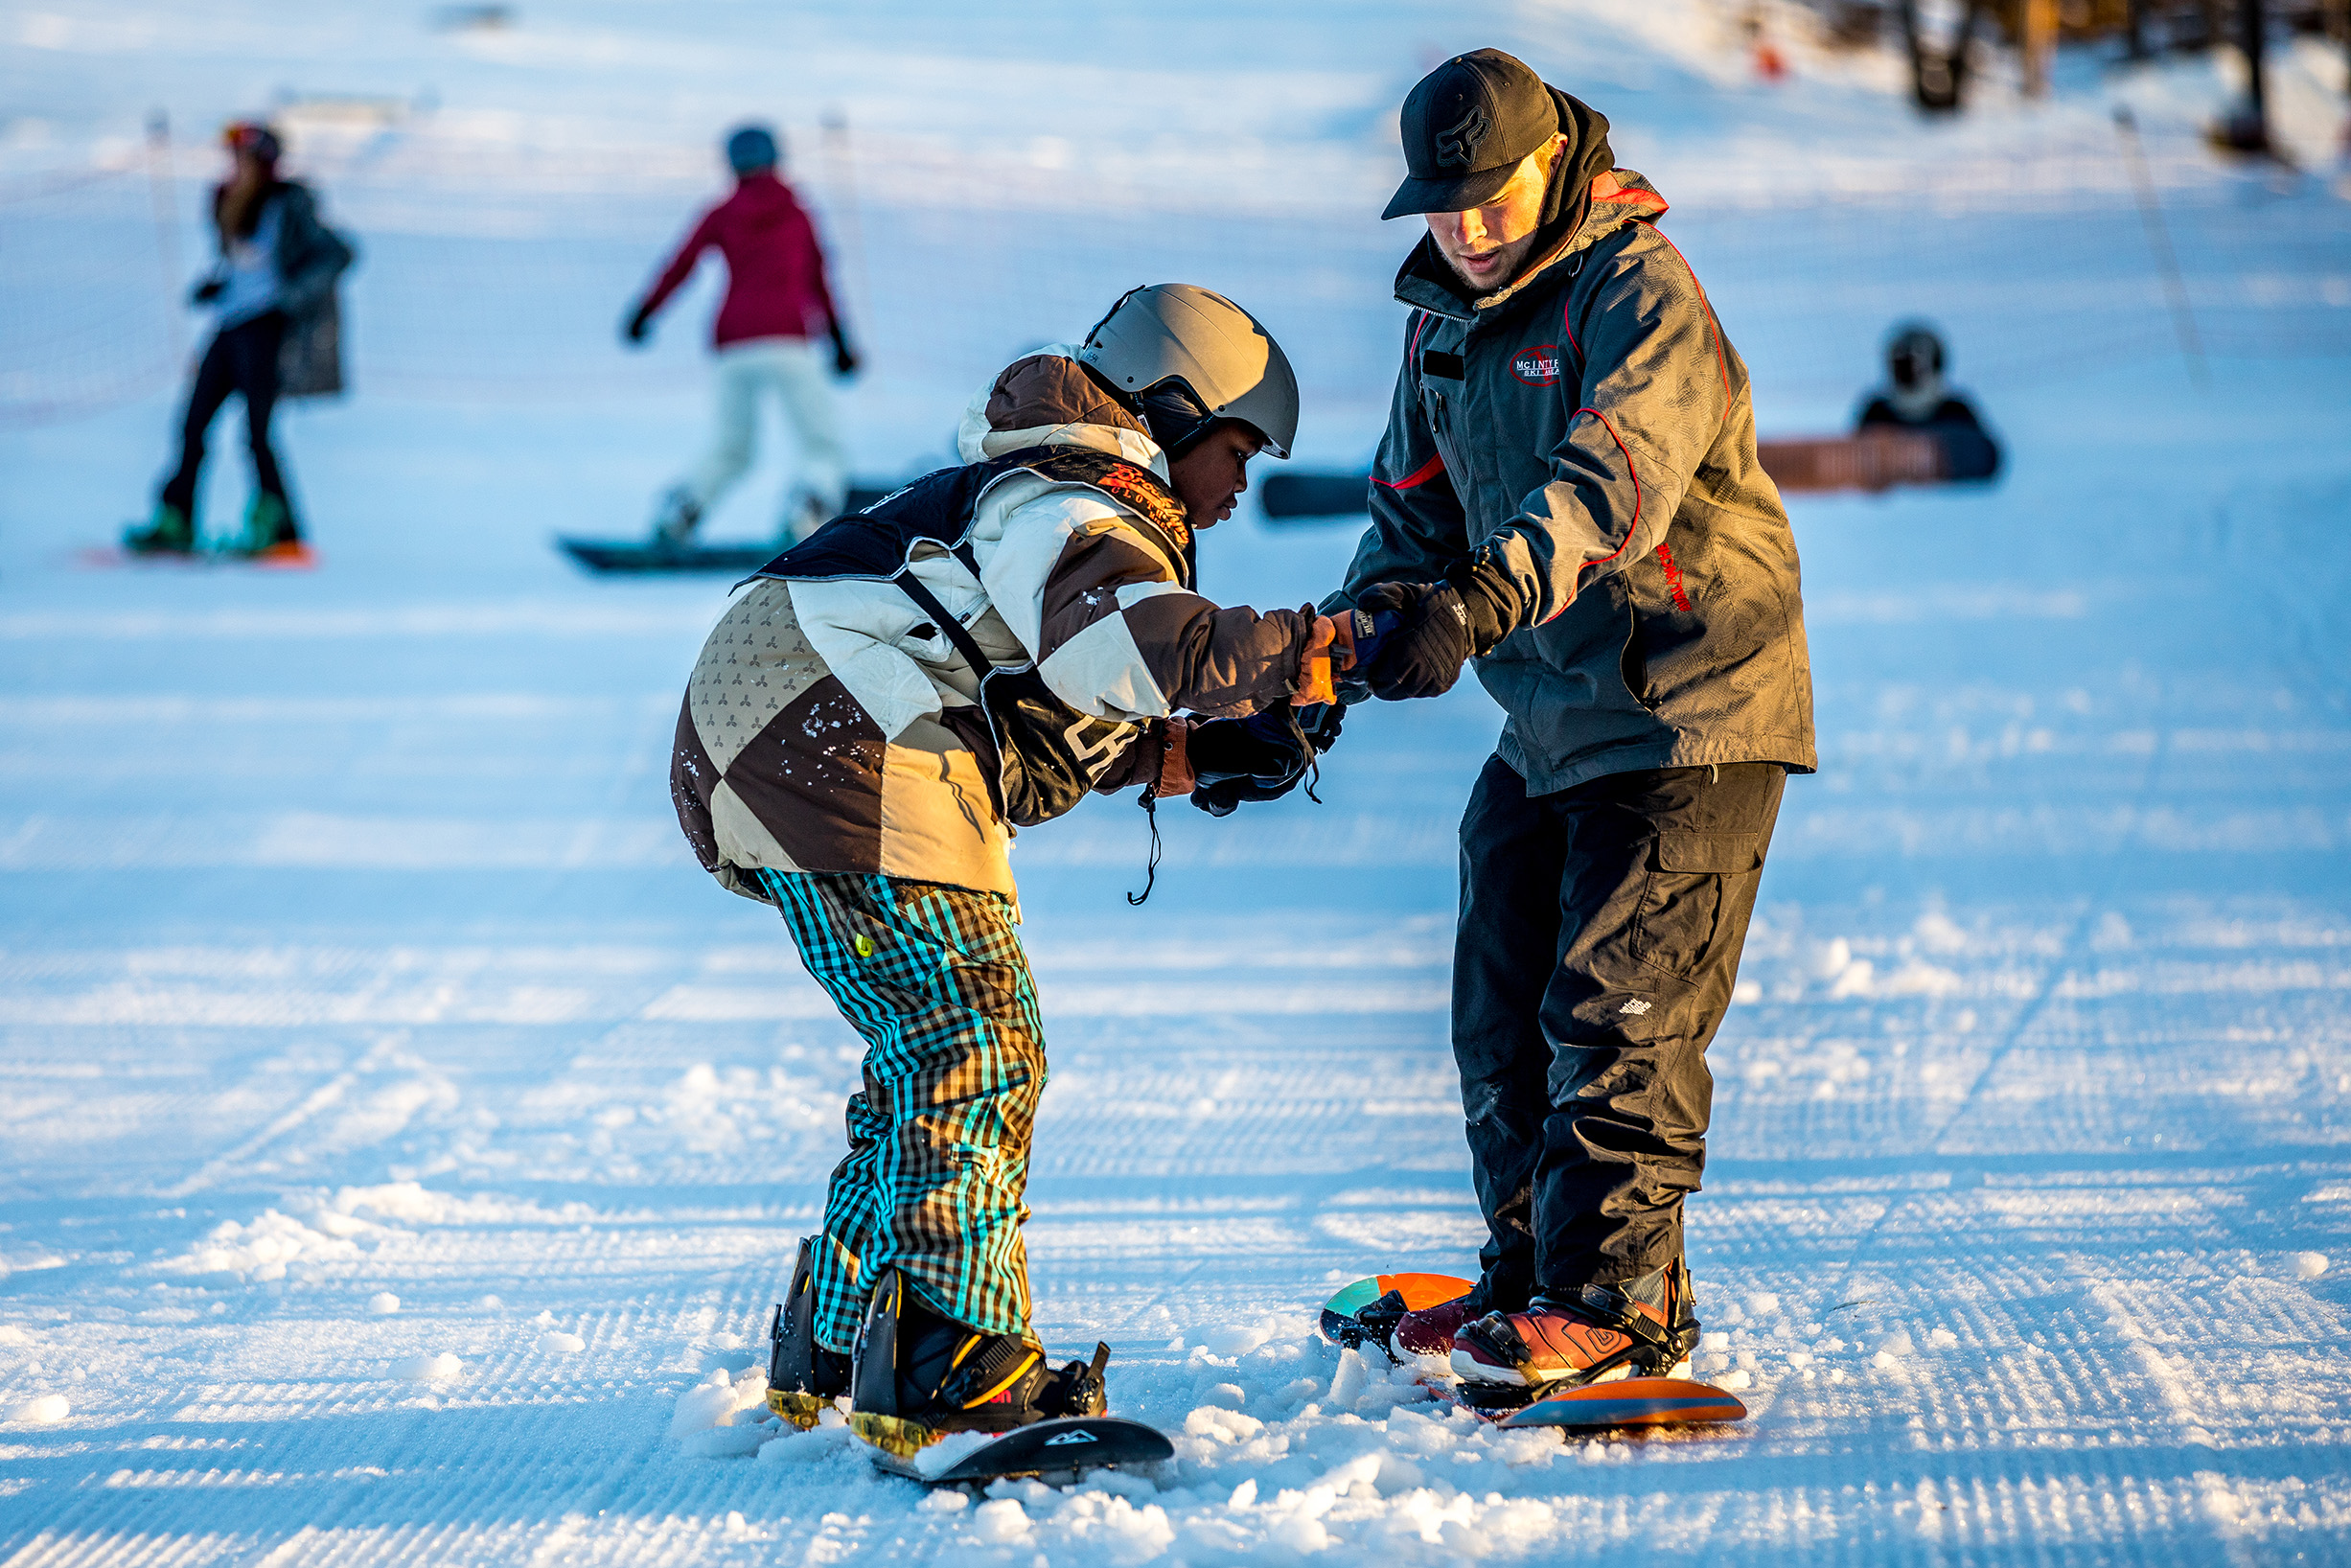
x=918 y=1376
x=803 y=1376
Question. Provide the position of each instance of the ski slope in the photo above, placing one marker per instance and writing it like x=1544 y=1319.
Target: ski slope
x=401 y=1141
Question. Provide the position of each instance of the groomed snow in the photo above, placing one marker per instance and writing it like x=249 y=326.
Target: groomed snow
x=400 y=1143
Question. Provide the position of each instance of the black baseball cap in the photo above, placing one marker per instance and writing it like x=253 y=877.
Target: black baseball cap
x=1467 y=127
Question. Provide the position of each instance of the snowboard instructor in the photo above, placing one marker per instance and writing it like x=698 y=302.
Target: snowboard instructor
x=1568 y=497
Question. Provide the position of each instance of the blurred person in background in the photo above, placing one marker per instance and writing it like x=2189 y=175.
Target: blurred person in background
x=839 y=758
x=777 y=305
x=1915 y=397
x=1568 y=497
x=279 y=334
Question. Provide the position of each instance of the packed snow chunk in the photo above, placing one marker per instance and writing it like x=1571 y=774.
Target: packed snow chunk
x=949 y=1452
x=558 y=1343
x=718 y=1400
x=2308 y=1265
x=46 y=1410
x=1762 y=1304
x=1895 y=1343
x=726 y=1442
x=999 y=1521
x=383 y=1303
x=1244 y=1496
x=1732 y=1381
x=1239 y=1339
x=1111 y=1530
x=1228 y=1396
x=1941 y=1339
x=1347 y=1384
x=1224 y=1425
x=429 y=1368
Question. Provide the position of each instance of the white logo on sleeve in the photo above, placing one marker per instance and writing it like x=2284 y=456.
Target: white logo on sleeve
x=1636 y=1006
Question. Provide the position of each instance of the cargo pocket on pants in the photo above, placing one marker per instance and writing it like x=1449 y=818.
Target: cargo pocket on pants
x=1691 y=882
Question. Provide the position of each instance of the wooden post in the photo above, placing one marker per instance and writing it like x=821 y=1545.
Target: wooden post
x=2038 y=43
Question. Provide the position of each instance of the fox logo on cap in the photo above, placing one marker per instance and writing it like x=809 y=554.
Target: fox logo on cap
x=1456 y=147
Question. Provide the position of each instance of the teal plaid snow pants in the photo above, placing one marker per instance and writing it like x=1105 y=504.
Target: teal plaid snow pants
x=934 y=979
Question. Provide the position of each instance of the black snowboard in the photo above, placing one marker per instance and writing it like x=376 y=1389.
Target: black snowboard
x=1306 y=496
x=1066 y=1447
x=632 y=555
x=636 y=556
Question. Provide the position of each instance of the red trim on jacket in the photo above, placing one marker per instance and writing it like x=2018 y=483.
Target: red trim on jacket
x=1420 y=475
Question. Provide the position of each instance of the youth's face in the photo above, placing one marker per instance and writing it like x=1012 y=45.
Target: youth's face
x=1486 y=245
x=1209 y=478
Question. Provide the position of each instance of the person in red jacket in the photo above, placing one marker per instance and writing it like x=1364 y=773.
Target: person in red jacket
x=777 y=306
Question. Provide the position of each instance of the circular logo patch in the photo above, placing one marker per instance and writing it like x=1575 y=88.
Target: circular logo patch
x=1536 y=366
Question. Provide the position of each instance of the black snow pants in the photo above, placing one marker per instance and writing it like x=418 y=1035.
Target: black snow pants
x=1600 y=929
x=241 y=361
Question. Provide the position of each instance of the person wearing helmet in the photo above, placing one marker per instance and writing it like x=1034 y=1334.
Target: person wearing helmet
x=778 y=306
x=272 y=294
x=867 y=725
x=1568 y=498
x=1916 y=397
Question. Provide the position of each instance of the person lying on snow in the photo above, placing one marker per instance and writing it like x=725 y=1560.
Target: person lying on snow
x=869 y=724
x=1916 y=397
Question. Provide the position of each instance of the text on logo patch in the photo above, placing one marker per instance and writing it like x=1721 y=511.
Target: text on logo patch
x=1536 y=366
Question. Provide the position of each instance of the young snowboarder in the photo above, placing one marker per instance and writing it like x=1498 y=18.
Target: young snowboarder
x=1568 y=494
x=838 y=757
x=273 y=292
x=1916 y=397
x=777 y=304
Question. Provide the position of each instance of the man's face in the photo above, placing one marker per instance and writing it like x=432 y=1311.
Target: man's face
x=1487 y=245
x=1210 y=477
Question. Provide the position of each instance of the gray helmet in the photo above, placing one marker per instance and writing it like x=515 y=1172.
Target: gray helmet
x=1172 y=332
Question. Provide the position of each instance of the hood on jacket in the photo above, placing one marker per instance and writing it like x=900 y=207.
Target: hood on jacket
x=1616 y=197
x=1047 y=399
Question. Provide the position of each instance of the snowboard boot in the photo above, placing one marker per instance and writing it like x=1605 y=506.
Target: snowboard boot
x=673 y=525
x=270 y=531
x=918 y=1376
x=172 y=532
x=1644 y=1327
x=803 y=1376
x=1430 y=1330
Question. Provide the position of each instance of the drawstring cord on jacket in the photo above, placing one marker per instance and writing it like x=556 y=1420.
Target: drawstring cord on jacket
x=1150 y=878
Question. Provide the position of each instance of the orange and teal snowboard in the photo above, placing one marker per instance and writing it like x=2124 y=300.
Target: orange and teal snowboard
x=1365 y=1313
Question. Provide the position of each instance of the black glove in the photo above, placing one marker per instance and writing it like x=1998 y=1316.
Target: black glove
x=1440 y=627
x=205 y=292
x=844 y=358
x=1261 y=757
x=639 y=323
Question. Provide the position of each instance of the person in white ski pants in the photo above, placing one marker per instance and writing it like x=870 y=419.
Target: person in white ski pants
x=777 y=310
x=794 y=370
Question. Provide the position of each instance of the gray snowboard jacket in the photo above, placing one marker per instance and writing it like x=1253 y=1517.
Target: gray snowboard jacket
x=1591 y=426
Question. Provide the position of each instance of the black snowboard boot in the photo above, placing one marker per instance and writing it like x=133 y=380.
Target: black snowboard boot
x=919 y=1376
x=803 y=1376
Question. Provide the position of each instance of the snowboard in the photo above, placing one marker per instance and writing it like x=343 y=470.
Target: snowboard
x=1045 y=1448
x=1306 y=498
x=1626 y=1402
x=631 y=557
x=637 y=557
x=284 y=557
x=1879 y=458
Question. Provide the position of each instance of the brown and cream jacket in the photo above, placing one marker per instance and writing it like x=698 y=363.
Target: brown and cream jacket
x=824 y=727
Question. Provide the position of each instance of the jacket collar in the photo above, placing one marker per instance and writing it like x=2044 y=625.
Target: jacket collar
x=1427 y=282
